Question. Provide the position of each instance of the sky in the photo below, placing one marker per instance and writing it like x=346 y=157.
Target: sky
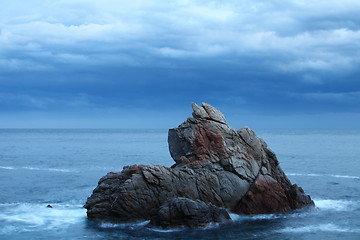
x=271 y=64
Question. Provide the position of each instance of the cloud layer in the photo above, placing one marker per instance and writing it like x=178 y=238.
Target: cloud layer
x=279 y=56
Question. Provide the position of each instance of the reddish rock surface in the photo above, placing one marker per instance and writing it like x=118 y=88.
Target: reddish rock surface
x=266 y=195
x=214 y=163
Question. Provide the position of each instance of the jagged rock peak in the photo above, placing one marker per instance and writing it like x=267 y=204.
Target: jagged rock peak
x=207 y=111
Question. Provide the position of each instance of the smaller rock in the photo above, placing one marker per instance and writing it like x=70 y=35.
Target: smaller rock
x=185 y=212
x=300 y=199
x=214 y=114
x=206 y=111
x=49 y=206
x=199 y=112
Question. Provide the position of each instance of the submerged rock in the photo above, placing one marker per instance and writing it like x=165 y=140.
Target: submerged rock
x=214 y=163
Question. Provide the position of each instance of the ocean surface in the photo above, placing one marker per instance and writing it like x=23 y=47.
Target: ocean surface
x=62 y=167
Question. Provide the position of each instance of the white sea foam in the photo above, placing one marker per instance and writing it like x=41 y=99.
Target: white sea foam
x=305 y=174
x=162 y=230
x=344 y=176
x=38 y=169
x=236 y=217
x=329 y=227
x=7 y=168
x=123 y=225
x=26 y=216
x=336 y=205
x=49 y=169
x=323 y=175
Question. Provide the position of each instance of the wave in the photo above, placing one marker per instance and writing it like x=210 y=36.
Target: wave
x=138 y=226
x=163 y=230
x=336 y=205
x=236 y=217
x=22 y=217
x=320 y=205
x=89 y=168
x=123 y=225
x=7 y=168
x=322 y=175
x=39 y=169
x=49 y=169
x=328 y=227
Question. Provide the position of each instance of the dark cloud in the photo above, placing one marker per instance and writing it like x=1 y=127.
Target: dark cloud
x=115 y=57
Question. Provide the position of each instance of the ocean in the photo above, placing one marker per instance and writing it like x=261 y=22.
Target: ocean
x=39 y=167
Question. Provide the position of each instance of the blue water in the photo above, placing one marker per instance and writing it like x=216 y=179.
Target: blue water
x=62 y=167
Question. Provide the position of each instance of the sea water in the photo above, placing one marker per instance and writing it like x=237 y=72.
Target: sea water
x=62 y=167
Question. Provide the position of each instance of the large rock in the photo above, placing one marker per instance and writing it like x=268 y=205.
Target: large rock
x=214 y=163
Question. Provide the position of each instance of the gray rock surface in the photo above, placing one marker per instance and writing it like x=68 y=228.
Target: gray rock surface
x=185 y=212
x=214 y=163
x=206 y=111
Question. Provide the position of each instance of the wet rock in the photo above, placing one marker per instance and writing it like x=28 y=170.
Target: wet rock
x=185 y=212
x=214 y=163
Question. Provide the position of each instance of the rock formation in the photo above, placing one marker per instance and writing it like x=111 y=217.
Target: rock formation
x=214 y=163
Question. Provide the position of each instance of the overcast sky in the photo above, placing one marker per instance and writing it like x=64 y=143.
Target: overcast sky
x=114 y=63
